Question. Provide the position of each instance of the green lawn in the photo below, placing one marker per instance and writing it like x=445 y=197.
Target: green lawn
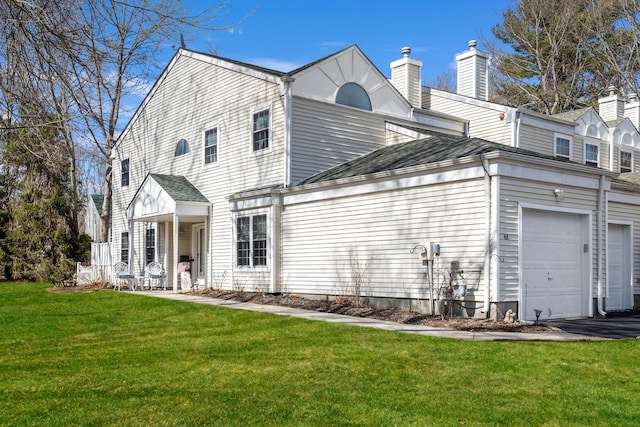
x=110 y=358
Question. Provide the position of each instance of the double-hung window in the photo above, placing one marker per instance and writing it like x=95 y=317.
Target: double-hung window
x=626 y=161
x=124 y=247
x=124 y=173
x=251 y=240
x=260 y=125
x=211 y=145
x=591 y=154
x=150 y=245
x=562 y=146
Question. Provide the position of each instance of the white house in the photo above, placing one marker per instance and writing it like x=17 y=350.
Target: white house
x=92 y=223
x=323 y=180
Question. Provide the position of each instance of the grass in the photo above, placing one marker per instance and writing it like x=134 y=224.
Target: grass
x=110 y=358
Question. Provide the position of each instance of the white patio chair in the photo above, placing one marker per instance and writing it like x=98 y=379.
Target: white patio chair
x=121 y=272
x=157 y=275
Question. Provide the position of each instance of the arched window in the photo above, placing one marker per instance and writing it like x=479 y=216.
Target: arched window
x=353 y=95
x=182 y=148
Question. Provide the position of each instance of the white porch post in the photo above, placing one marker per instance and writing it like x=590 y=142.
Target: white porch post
x=166 y=246
x=131 y=240
x=176 y=227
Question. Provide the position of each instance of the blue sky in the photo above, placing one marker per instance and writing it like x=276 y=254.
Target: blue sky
x=285 y=34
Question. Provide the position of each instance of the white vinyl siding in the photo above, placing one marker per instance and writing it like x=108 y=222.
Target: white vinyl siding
x=484 y=122
x=327 y=135
x=377 y=231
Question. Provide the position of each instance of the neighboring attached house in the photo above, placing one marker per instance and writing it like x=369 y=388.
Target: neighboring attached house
x=93 y=223
x=324 y=180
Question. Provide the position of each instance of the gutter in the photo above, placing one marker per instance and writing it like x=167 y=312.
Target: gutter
x=600 y=243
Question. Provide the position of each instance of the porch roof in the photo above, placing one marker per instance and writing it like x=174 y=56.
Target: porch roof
x=160 y=197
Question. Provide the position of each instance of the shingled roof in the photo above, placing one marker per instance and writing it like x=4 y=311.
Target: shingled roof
x=179 y=188
x=437 y=148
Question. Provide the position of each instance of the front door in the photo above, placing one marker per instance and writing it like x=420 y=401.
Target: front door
x=201 y=253
x=619 y=295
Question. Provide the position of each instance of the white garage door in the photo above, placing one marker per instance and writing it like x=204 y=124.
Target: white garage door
x=619 y=268
x=554 y=262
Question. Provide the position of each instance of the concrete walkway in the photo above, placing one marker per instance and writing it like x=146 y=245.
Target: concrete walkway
x=371 y=323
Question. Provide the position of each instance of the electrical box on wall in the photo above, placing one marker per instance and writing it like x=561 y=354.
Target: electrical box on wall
x=430 y=251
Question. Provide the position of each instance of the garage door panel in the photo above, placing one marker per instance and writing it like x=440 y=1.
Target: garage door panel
x=553 y=265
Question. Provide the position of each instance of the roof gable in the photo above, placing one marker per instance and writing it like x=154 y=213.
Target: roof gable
x=591 y=124
x=322 y=79
x=624 y=133
x=184 y=54
x=166 y=194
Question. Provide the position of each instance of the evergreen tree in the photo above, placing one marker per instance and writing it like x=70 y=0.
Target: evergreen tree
x=559 y=53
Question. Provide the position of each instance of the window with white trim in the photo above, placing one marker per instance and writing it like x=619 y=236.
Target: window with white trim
x=261 y=121
x=353 y=95
x=591 y=154
x=211 y=145
x=182 y=148
x=251 y=240
x=124 y=246
x=626 y=161
x=124 y=172
x=562 y=146
x=149 y=245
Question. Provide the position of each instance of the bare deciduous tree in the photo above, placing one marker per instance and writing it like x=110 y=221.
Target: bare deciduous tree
x=94 y=53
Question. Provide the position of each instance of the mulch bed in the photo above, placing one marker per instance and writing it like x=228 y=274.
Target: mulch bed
x=344 y=306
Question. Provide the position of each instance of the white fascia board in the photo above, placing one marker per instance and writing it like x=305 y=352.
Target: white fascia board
x=547 y=122
x=458 y=126
x=198 y=56
x=192 y=208
x=556 y=176
x=406 y=132
x=302 y=195
x=471 y=101
x=624 y=198
x=245 y=204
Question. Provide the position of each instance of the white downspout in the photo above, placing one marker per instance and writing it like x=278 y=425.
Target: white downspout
x=487 y=239
x=600 y=243
x=516 y=142
x=287 y=82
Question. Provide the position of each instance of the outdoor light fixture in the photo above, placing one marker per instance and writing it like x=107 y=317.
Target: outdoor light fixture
x=558 y=193
x=538 y=312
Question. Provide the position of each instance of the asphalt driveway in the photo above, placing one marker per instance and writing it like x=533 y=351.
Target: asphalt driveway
x=624 y=325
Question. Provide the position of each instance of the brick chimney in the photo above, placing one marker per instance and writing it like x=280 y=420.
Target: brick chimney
x=611 y=107
x=473 y=74
x=406 y=76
